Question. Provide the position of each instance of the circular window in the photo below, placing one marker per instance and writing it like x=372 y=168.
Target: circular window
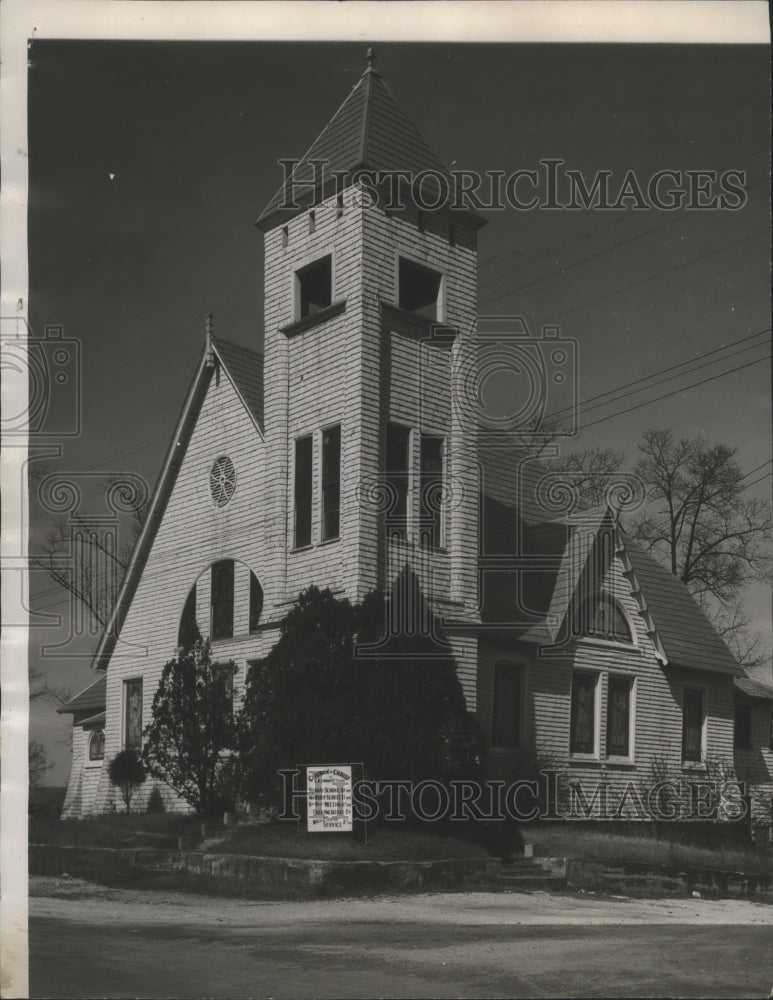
x=222 y=480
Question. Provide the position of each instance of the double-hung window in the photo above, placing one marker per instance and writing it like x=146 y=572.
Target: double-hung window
x=431 y=490
x=619 y=716
x=584 y=714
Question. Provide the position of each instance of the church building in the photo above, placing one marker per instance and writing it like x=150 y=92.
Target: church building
x=350 y=448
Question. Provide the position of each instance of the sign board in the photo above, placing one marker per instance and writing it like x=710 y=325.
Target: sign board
x=329 y=791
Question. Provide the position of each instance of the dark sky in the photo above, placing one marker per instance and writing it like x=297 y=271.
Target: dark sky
x=149 y=163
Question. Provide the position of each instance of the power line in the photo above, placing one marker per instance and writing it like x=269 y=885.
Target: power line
x=752 y=471
x=652 y=277
x=670 y=378
x=683 y=214
x=549 y=253
x=761 y=479
x=663 y=371
x=674 y=392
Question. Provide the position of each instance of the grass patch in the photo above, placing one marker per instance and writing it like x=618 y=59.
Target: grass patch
x=276 y=840
x=567 y=840
x=115 y=830
x=385 y=843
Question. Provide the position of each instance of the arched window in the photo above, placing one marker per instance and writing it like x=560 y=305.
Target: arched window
x=256 y=602
x=97 y=745
x=224 y=598
x=188 y=631
x=602 y=618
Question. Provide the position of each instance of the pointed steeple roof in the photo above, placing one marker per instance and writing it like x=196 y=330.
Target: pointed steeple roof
x=369 y=130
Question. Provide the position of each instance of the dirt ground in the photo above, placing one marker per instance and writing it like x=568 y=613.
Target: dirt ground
x=91 y=941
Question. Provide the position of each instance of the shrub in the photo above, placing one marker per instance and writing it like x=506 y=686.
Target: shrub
x=400 y=711
x=127 y=773
x=156 y=801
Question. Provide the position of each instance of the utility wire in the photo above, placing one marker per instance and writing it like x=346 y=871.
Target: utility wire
x=660 y=274
x=684 y=213
x=674 y=392
x=664 y=371
x=689 y=371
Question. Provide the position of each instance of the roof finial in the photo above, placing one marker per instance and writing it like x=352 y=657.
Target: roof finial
x=208 y=329
x=370 y=55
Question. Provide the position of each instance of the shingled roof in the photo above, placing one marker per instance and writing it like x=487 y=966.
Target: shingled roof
x=369 y=130
x=94 y=696
x=688 y=637
x=246 y=370
x=753 y=689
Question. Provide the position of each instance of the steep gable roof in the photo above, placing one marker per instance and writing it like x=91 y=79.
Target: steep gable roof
x=245 y=370
x=687 y=636
x=369 y=130
x=93 y=696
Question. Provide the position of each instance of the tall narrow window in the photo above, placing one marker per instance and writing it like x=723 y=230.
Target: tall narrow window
x=256 y=602
x=619 y=716
x=693 y=718
x=742 y=732
x=431 y=490
x=315 y=286
x=331 y=482
x=188 y=631
x=506 y=718
x=222 y=601
x=397 y=465
x=302 y=534
x=582 y=738
x=133 y=714
x=223 y=674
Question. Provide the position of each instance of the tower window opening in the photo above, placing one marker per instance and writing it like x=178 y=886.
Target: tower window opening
x=285 y=236
x=312 y=221
x=314 y=284
x=419 y=289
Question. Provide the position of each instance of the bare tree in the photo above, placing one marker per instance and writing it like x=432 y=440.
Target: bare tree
x=81 y=555
x=700 y=524
x=590 y=472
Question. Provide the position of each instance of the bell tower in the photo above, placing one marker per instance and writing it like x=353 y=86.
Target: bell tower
x=370 y=292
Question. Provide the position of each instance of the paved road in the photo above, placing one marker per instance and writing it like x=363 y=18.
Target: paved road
x=86 y=941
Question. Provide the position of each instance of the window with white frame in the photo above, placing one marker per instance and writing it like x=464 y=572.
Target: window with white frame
x=506 y=716
x=584 y=714
x=97 y=745
x=693 y=724
x=132 y=739
x=620 y=715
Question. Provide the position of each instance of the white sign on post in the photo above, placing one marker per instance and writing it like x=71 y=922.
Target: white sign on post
x=329 y=796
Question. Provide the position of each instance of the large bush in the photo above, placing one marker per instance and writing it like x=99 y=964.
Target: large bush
x=126 y=772
x=191 y=739
x=313 y=699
